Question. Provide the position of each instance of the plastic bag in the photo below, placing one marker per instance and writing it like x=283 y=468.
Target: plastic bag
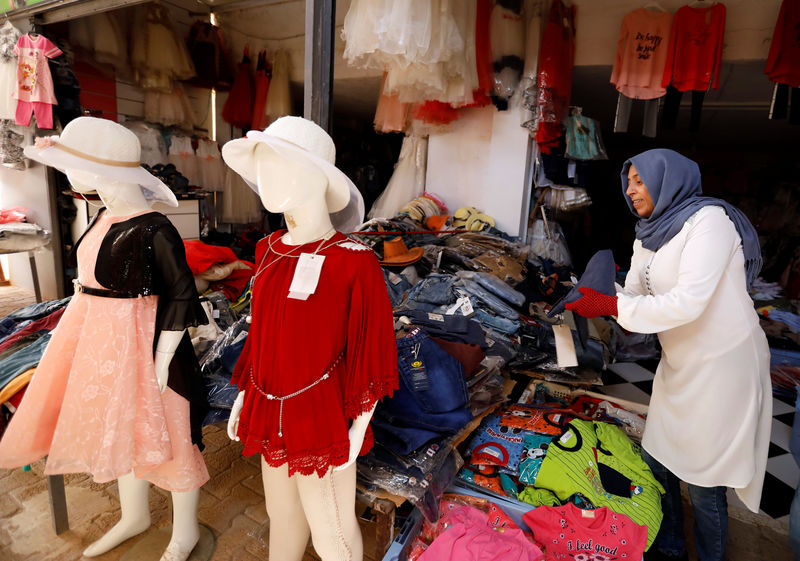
x=566 y=199
x=547 y=240
x=584 y=141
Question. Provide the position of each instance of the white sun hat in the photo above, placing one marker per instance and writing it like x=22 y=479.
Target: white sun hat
x=301 y=140
x=104 y=148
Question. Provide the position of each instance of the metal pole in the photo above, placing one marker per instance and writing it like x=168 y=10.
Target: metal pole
x=318 y=78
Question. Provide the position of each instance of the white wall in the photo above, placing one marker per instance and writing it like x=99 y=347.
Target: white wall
x=29 y=189
x=481 y=163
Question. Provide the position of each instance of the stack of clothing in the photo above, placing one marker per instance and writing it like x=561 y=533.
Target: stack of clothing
x=24 y=334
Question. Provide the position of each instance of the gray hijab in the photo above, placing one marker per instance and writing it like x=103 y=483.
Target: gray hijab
x=673 y=182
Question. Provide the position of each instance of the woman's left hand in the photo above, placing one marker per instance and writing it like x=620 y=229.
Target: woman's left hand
x=593 y=304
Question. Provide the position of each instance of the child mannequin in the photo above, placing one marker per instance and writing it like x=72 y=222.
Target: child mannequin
x=125 y=199
x=116 y=392
x=320 y=505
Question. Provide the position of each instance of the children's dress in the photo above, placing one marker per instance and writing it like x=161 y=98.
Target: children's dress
x=94 y=404
x=211 y=167
x=35 y=91
x=182 y=155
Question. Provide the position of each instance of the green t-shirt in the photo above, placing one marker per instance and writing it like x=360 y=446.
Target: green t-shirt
x=588 y=452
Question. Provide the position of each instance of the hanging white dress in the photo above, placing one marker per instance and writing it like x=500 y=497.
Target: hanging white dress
x=407 y=182
x=211 y=167
x=182 y=155
x=710 y=413
x=8 y=70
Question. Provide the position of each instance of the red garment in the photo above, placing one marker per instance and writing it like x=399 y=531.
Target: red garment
x=234 y=284
x=238 y=108
x=556 y=62
x=695 y=48
x=435 y=112
x=292 y=343
x=568 y=532
x=259 y=121
x=783 y=62
x=16 y=399
x=200 y=256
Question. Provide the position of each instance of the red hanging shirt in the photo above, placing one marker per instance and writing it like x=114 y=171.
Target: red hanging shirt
x=345 y=329
x=695 y=48
x=783 y=62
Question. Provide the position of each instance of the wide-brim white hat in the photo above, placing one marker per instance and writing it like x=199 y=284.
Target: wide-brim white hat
x=303 y=141
x=104 y=148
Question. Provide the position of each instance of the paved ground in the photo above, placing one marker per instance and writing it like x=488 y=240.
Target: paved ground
x=231 y=505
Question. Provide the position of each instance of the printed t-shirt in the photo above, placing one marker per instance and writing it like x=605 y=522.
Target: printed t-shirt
x=590 y=458
x=34 y=82
x=567 y=532
x=642 y=54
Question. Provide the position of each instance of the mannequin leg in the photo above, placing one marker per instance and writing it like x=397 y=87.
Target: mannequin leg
x=134 y=502
x=330 y=506
x=185 y=531
x=288 y=529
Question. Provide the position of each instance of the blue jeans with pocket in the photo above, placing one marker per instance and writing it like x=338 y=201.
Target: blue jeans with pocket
x=428 y=403
x=495 y=286
x=482 y=297
x=710 y=506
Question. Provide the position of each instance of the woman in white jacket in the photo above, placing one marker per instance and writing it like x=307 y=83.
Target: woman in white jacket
x=710 y=412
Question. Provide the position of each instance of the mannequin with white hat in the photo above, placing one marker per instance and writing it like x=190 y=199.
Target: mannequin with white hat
x=100 y=156
x=121 y=198
x=291 y=166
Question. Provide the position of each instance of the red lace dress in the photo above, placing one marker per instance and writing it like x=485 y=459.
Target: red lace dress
x=345 y=330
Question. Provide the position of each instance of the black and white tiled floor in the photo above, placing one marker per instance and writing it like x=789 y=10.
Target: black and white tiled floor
x=634 y=382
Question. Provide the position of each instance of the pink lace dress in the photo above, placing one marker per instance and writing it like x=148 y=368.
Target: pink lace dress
x=93 y=404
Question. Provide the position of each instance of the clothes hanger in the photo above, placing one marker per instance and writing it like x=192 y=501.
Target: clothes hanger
x=654 y=7
x=700 y=4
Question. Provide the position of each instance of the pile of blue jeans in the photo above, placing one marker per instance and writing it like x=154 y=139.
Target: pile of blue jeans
x=431 y=402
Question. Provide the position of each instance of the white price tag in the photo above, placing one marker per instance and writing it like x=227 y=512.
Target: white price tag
x=394 y=278
x=215 y=314
x=306 y=276
x=565 y=346
x=462 y=305
x=466 y=307
x=565 y=437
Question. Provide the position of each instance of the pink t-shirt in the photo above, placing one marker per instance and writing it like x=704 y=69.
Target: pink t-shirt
x=34 y=82
x=470 y=537
x=567 y=532
x=641 y=54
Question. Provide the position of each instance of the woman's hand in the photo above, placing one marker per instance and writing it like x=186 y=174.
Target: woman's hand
x=593 y=304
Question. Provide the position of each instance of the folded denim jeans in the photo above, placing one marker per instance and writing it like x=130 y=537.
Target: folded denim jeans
x=495 y=286
x=24 y=359
x=36 y=311
x=479 y=295
x=432 y=399
x=434 y=289
x=452 y=328
x=496 y=322
x=397 y=286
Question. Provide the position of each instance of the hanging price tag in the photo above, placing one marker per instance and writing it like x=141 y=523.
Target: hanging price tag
x=565 y=346
x=306 y=276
